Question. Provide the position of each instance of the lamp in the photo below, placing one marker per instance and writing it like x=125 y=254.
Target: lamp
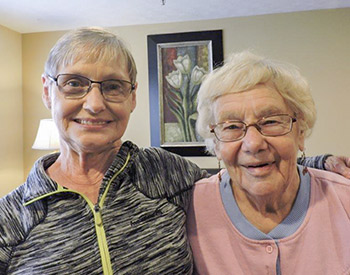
x=47 y=136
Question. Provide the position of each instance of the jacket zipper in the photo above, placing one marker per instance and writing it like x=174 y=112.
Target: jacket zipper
x=96 y=210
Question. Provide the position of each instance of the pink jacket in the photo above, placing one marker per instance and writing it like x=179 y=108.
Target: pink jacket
x=321 y=245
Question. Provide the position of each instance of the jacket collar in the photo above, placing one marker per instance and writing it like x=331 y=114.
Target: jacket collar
x=39 y=183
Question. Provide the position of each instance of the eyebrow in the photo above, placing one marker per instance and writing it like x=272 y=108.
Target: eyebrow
x=110 y=76
x=272 y=110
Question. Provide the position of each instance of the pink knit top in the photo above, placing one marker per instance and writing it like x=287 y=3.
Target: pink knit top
x=320 y=245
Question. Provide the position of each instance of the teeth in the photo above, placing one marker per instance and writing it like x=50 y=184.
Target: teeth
x=261 y=165
x=88 y=122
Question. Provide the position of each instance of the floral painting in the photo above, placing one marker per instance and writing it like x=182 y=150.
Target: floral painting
x=183 y=69
x=177 y=64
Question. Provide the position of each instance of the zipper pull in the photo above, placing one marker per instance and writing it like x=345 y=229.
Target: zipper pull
x=98 y=216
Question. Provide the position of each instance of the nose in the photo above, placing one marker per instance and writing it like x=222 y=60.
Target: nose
x=94 y=100
x=253 y=140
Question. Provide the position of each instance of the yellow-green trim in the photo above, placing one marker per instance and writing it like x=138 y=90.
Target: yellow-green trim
x=100 y=232
x=46 y=195
x=103 y=198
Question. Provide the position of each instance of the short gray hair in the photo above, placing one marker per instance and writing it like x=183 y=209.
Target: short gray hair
x=89 y=44
x=242 y=72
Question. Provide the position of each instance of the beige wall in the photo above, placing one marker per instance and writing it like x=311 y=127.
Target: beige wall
x=318 y=42
x=11 y=138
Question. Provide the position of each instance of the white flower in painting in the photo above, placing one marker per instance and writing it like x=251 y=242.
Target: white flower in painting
x=197 y=75
x=183 y=63
x=174 y=79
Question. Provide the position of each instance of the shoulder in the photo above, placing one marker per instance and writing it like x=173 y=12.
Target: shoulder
x=161 y=174
x=11 y=213
x=157 y=161
x=17 y=220
x=209 y=182
x=326 y=177
x=207 y=187
x=332 y=186
x=206 y=203
x=159 y=154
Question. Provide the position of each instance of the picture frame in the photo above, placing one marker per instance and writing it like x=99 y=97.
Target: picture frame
x=177 y=63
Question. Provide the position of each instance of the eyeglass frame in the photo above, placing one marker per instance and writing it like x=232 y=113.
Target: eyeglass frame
x=55 y=79
x=246 y=126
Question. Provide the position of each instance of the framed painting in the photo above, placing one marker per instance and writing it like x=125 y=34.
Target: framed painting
x=177 y=63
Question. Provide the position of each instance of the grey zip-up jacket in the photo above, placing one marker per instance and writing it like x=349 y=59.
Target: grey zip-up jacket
x=137 y=227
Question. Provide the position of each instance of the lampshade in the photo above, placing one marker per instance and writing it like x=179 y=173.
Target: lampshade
x=47 y=136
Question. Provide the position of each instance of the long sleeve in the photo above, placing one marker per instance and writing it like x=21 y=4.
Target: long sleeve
x=314 y=162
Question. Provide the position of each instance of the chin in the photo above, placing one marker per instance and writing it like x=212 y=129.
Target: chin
x=260 y=187
x=94 y=145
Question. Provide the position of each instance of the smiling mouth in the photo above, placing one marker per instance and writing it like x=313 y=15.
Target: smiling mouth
x=91 y=122
x=259 y=165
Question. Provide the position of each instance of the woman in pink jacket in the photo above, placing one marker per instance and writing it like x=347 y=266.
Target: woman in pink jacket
x=265 y=214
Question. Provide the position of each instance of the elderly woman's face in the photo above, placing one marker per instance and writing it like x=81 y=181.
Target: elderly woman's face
x=258 y=164
x=91 y=123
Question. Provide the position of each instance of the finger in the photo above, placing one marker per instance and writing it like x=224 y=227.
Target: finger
x=342 y=168
x=347 y=161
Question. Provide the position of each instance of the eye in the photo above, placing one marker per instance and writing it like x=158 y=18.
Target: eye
x=113 y=86
x=74 y=83
x=270 y=122
x=273 y=121
x=232 y=126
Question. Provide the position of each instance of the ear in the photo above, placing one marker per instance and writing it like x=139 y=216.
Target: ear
x=133 y=98
x=46 y=97
x=217 y=149
x=301 y=140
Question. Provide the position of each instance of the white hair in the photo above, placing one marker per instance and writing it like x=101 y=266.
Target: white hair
x=242 y=72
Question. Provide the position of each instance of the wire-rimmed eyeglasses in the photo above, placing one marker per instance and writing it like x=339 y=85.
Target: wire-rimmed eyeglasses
x=75 y=86
x=270 y=126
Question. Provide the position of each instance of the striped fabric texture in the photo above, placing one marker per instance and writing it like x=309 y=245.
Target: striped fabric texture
x=48 y=230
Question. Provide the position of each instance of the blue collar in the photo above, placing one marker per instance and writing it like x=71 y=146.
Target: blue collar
x=287 y=227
